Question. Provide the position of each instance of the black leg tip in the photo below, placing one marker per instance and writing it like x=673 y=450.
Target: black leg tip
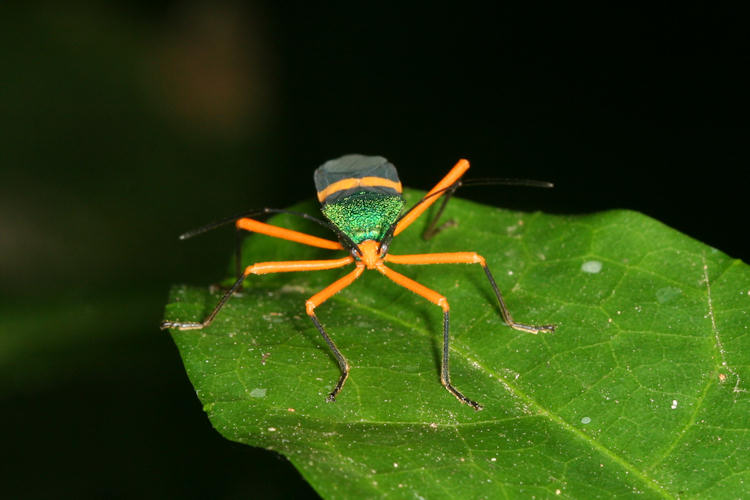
x=532 y=328
x=180 y=326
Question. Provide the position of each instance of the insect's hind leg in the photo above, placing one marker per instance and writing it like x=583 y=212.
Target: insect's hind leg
x=432 y=228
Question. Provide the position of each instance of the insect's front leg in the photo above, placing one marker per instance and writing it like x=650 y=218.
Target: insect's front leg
x=438 y=300
x=318 y=299
x=343 y=363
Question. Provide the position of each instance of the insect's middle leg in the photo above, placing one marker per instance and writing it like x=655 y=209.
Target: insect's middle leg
x=259 y=268
x=318 y=299
x=199 y=325
x=469 y=258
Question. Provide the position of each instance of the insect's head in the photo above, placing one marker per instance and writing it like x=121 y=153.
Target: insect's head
x=369 y=252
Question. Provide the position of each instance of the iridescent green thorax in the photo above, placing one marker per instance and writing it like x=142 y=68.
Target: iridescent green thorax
x=365 y=215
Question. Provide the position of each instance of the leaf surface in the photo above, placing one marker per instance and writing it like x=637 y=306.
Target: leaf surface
x=642 y=388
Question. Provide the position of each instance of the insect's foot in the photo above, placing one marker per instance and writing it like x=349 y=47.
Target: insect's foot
x=332 y=396
x=461 y=397
x=533 y=328
x=473 y=404
x=478 y=407
x=180 y=326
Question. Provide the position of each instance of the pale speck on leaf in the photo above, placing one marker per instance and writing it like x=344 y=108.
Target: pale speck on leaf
x=591 y=266
x=258 y=393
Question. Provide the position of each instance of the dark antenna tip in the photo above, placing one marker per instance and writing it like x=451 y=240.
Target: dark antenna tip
x=507 y=182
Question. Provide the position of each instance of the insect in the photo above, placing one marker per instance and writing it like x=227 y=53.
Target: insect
x=362 y=203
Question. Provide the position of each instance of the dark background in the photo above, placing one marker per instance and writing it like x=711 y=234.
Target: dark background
x=123 y=124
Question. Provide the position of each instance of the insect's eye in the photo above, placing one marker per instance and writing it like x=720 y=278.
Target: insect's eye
x=356 y=252
x=383 y=249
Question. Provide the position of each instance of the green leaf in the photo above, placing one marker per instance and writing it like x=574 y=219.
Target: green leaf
x=642 y=388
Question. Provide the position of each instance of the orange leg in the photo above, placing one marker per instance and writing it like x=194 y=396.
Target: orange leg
x=260 y=268
x=286 y=234
x=469 y=258
x=318 y=299
x=458 y=170
x=297 y=265
x=441 y=301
